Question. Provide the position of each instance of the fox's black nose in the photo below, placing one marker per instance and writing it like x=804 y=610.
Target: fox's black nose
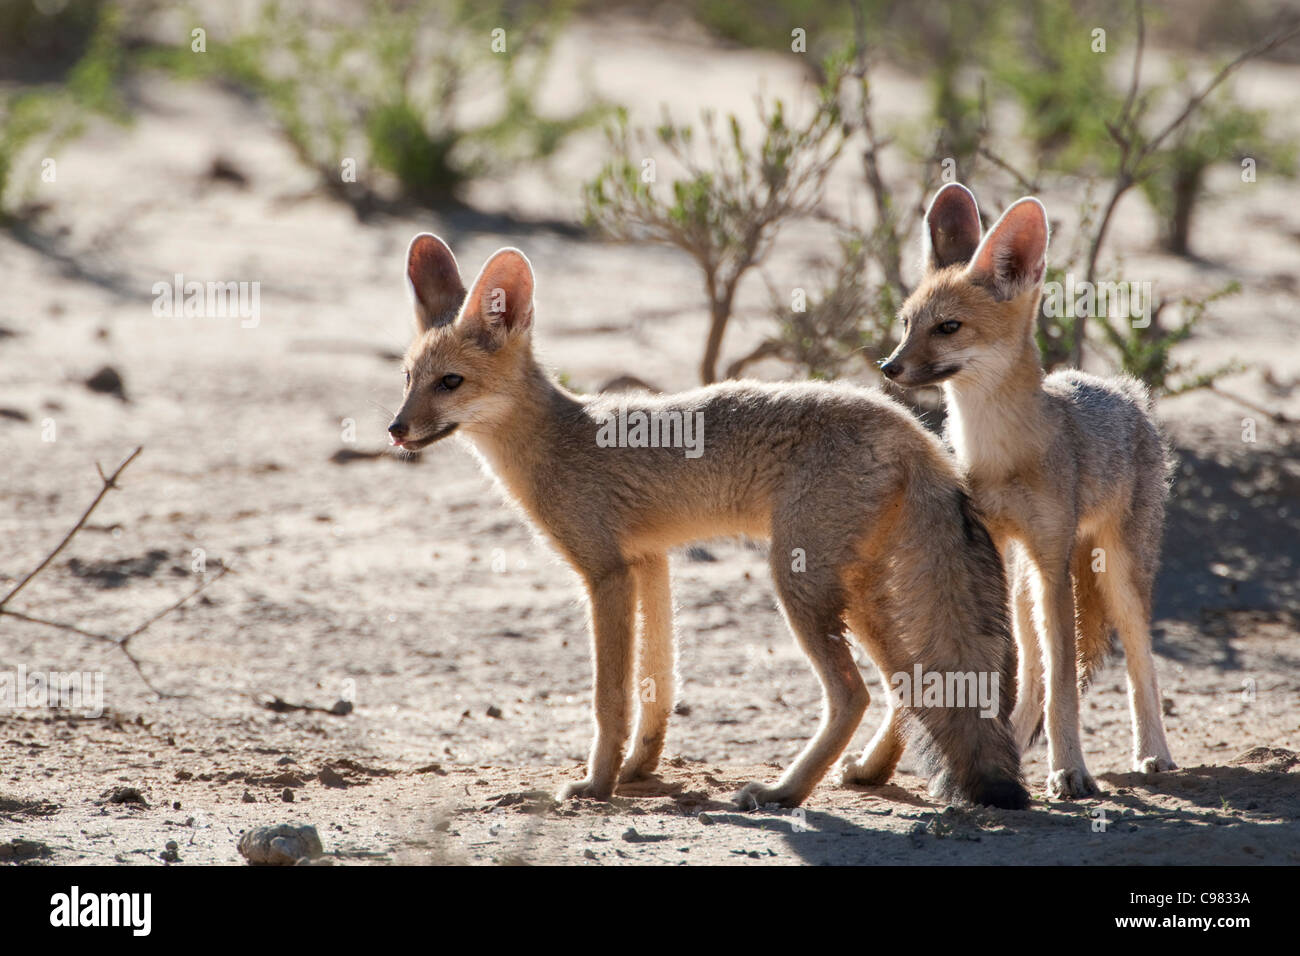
x=398 y=428
x=890 y=370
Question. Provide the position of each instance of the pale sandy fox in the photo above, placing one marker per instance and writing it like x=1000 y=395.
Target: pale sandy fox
x=1070 y=471
x=870 y=528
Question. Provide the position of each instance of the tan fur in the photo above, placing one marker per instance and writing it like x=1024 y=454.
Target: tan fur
x=1068 y=469
x=842 y=476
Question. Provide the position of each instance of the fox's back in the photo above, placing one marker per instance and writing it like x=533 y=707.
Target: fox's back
x=1110 y=431
x=755 y=448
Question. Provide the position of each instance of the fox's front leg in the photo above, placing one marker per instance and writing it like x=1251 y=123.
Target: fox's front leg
x=613 y=599
x=1067 y=776
x=656 y=679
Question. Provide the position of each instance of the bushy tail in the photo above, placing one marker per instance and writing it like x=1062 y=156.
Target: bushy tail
x=1094 y=637
x=950 y=600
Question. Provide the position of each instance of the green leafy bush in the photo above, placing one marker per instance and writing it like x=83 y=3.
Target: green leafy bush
x=36 y=121
x=385 y=86
x=728 y=199
x=1223 y=130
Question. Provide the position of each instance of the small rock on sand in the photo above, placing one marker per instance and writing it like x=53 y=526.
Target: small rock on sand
x=19 y=850
x=107 y=381
x=282 y=845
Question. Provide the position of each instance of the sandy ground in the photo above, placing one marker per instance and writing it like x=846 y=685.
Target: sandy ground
x=409 y=588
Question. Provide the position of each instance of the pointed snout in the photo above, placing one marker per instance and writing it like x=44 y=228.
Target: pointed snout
x=398 y=429
x=891 y=369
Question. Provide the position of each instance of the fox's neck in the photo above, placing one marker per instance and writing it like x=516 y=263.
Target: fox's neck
x=997 y=414
x=522 y=441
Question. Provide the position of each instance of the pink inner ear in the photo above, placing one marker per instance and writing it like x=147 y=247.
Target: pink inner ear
x=1014 y=251
x=953 y=222
x=431 y=264
x=504 y=291
x=434 y=276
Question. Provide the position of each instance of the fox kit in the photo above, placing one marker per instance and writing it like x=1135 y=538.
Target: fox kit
x=869 y=524
x=1068 y=469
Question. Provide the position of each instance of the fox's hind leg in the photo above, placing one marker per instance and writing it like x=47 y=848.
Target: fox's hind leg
x=1126 y=590
x=1067 y=776
x=812 y=602
x=655 y=668
x=880 y=757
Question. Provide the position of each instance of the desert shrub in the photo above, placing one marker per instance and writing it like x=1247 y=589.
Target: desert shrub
x=846 y=321
x=385 y=86
x=1141 y=349
x=1072 y=105
x=1146 y=353
x=1084 y=120
x=728 y=200
x=1223 y=130
x=1044 y=61
x=35 y=121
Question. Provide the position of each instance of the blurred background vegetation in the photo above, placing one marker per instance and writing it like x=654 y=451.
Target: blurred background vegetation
x=392 y=76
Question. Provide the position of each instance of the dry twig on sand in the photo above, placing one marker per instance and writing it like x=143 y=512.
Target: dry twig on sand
x=122 y=643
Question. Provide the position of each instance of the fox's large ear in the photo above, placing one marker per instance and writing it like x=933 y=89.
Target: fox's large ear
x=952 y=228
x=501 y=302
x=435 y=280
x=1013 y=255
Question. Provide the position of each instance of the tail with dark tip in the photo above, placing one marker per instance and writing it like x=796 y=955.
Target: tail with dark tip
x=951 y=605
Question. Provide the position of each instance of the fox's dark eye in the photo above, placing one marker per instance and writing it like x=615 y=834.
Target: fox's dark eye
x=947 y=328
x=450 y=382
x=408 y=377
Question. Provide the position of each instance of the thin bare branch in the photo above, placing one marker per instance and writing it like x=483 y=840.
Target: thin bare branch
x=122 y=643
x=765 y=349
x=1134 y=152
x=1023 y=181
x=108 y=482
x=1135 y=81
x=167 y=610
x=71 y=628
x=1259 y=49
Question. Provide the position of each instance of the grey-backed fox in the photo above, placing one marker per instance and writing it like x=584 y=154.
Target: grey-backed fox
x=1069 y=470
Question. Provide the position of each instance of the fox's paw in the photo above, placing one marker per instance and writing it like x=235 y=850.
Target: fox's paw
x=1154 y=765
x=1071 y=784
x=638 y=766
x=588 y=789
x=632 y=773
x=755 y=796
x=865 y=773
